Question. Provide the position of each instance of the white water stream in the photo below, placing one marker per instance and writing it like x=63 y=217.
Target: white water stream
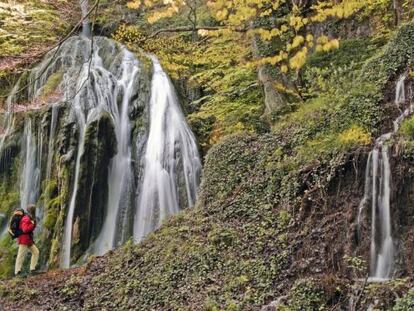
x=30 y=178
x=377 y=191
x=86 y=28
x=51 y=143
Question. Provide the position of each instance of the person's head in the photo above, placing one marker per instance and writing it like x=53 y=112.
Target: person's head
x=31 y=209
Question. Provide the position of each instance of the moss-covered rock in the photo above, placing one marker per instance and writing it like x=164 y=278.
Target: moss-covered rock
x=100 y=147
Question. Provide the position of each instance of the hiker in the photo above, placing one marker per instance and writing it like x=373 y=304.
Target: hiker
x=25 y=240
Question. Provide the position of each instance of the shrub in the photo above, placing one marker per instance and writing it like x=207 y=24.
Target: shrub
x=407 y=128
x=405 y=303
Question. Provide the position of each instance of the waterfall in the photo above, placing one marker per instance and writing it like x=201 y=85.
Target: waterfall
x=67 y=236
x=51 y=143
x=377 y=191
x=8 y=122
x=119 y=180
x=382 y=245
x=7 y=129
x=400 y=90
x=145 y=184
x=400 y=99
x=101 y=89
x=30 y=177
x=170 y=144
x=86 y=28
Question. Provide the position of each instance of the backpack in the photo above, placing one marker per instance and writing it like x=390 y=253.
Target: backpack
x=14 y=226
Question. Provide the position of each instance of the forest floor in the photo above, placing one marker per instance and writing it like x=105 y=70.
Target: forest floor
x=49 y=290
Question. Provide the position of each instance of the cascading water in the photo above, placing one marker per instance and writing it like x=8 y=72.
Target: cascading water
x=400 y=91
x=7 y=127
x=86 y=28
x=119 y=180
x=377 y=190
x=51 y=145
x=30 y=178
x=8 y=121
x=96 y=79
x=382 y=245
x=101 y=90
x=170 y=143
x=400 y=99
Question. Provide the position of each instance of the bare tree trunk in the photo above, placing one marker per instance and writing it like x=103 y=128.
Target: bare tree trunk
x=397 y=12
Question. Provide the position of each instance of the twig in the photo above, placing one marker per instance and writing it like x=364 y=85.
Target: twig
x=191 y=29
x=57 y=46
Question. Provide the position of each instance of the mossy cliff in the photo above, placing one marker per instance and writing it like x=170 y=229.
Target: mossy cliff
x=275 y=226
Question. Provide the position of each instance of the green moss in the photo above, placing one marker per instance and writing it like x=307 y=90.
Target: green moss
x=52 y=82
x=8 y=249
x=9 y=195
x=52 y=203
x=407 y=128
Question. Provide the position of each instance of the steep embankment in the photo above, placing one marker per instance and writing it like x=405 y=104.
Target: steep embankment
x=276 y=222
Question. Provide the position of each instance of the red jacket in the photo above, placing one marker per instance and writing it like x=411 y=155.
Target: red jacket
x=27 y=225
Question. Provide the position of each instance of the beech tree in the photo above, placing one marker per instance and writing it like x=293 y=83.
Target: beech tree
x=284 y=25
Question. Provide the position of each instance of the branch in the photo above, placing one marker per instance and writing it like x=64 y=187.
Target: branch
x=57 y=46
x=242 y=91
x=190 y=28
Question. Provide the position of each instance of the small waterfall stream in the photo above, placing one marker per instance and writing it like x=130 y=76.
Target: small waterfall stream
x=30 y=178
x=51 y=143
x=86 y=28
x=8 y=121
x=377 y=191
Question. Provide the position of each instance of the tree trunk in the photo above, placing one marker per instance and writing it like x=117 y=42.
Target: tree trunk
x=397 y=12
x=275 y=101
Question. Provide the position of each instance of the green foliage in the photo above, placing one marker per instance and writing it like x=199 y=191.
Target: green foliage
x=9 y=195
x=405 y=303
x=72 y=287
x=235 y=107
x=341 y=111
x=9 y=199
x=304 y=296
x=284 y=219
x=8 y=249
x=52 y=82
x=356 y=51
x=407 y=128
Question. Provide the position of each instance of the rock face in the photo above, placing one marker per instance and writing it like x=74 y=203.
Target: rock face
x=79 y=154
